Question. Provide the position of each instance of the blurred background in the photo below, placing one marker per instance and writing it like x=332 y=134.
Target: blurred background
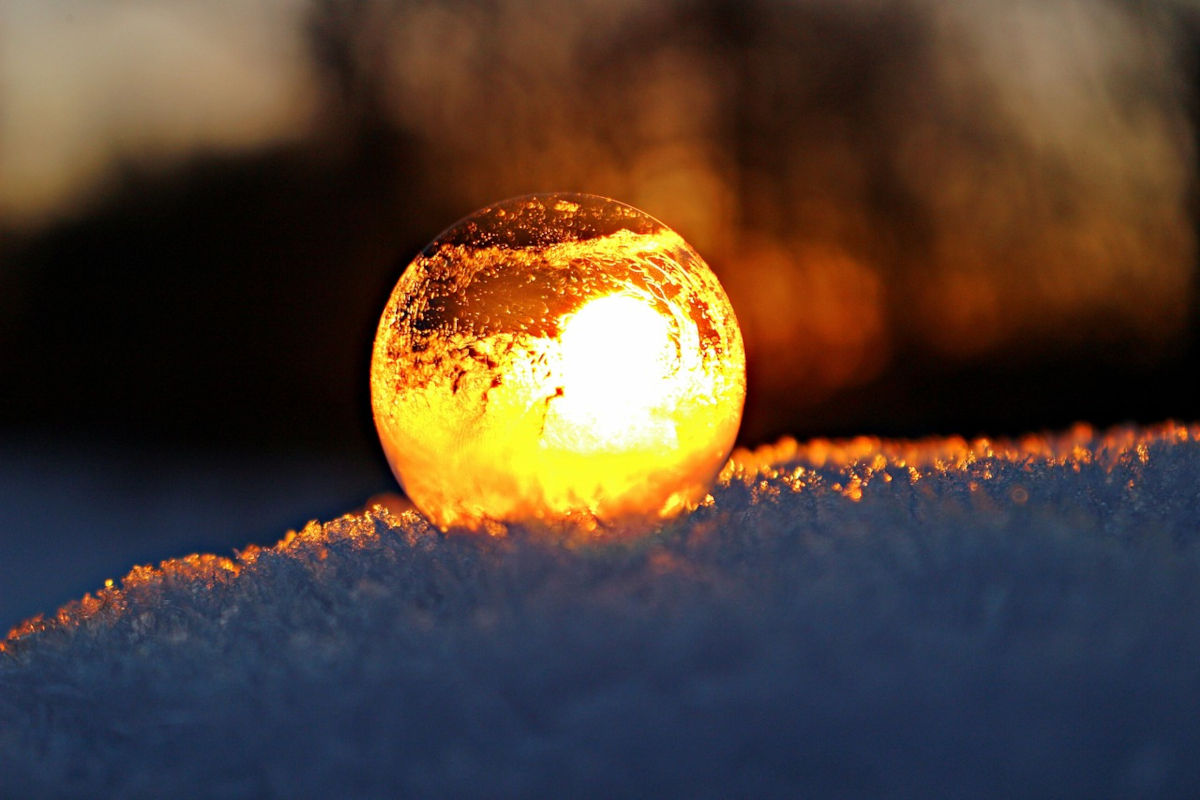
x=932 y=216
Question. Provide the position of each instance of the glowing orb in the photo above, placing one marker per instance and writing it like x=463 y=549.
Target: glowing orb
x=557 y=356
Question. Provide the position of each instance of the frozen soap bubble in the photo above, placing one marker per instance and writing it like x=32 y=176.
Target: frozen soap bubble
x=557 y=357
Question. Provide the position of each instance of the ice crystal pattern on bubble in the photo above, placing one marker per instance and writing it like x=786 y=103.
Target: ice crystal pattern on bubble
x=557 y=356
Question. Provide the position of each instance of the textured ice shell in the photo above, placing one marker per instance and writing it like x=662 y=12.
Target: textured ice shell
x=468 y=381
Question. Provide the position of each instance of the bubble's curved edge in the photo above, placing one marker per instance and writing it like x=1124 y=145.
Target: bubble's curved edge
x=589 y=218
x=595 y=216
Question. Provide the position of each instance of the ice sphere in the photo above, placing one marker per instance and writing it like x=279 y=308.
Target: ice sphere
x=554 y=357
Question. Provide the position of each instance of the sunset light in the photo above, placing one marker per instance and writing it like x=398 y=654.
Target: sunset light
x=355 y=443
x=557 y=357
x=617 y=365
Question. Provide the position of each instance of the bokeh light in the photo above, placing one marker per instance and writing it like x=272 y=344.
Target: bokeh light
x=555 y=357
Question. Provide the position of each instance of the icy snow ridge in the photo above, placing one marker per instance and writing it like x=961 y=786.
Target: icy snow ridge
x=853 y=619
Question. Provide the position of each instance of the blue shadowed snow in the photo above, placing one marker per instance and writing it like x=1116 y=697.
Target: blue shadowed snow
x=844 y=620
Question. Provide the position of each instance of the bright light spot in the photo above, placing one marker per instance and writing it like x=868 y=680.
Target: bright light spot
x=557 y=357
x=618 y=366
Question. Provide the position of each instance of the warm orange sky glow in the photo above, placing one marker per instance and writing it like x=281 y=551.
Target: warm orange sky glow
x=900 y=199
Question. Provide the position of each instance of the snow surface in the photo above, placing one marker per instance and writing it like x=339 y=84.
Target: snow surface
x=72 y=515
x=856 y=619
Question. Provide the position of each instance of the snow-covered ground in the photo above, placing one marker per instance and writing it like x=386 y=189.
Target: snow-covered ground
x=75 y=514
x=856 y=619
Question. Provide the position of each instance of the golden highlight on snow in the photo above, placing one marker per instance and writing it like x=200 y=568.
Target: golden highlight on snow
x=557 y=357
x=956 y=475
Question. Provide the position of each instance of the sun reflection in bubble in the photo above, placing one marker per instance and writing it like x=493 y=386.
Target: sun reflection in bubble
x=617 y=366
x=554 y=357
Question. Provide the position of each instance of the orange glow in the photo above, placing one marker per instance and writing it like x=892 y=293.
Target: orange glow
x=557 y=357
x=854 y=468
x=814 y=316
